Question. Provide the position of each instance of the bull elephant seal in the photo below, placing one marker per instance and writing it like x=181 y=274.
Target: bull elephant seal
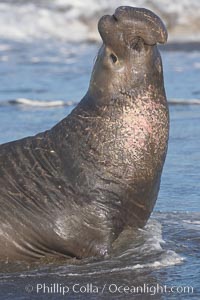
x=73 y=189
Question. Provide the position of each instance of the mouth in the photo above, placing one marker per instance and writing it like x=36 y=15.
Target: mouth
x=114 y=18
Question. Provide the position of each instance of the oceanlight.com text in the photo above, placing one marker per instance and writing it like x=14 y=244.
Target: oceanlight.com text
x=111 y=288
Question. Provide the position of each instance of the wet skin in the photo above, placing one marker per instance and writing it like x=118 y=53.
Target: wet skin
x=70 y=191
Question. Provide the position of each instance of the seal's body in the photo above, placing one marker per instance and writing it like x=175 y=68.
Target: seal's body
x=71 y=190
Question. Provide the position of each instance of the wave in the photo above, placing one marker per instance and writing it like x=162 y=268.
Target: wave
x=144 y=251
x=184 y=101
x=169 y=258
x=77 y=20
x=58 y=103
x=37 y=103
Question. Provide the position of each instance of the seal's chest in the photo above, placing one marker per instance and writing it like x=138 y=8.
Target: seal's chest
x=121 y=137
x=129 y=131
x=135 y=131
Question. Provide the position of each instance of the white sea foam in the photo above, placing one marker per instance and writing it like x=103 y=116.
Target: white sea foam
x=151 y=246
x=77 y=20
x=57 y=103
x=192 y=222
x=170 y=258
x=184 y=101
x=40 y=103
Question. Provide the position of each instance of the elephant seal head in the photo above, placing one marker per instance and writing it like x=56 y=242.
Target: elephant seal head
x=128 y=60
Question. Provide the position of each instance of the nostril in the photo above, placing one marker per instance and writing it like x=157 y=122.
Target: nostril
x=113 y=57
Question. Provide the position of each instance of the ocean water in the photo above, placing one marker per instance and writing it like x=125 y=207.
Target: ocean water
x=43 y=76
x=24 y=20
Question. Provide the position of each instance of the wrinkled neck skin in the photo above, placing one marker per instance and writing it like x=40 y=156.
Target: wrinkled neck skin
x=135 y=73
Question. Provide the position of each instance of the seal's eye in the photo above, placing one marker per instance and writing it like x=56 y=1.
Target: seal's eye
x=113 y=58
